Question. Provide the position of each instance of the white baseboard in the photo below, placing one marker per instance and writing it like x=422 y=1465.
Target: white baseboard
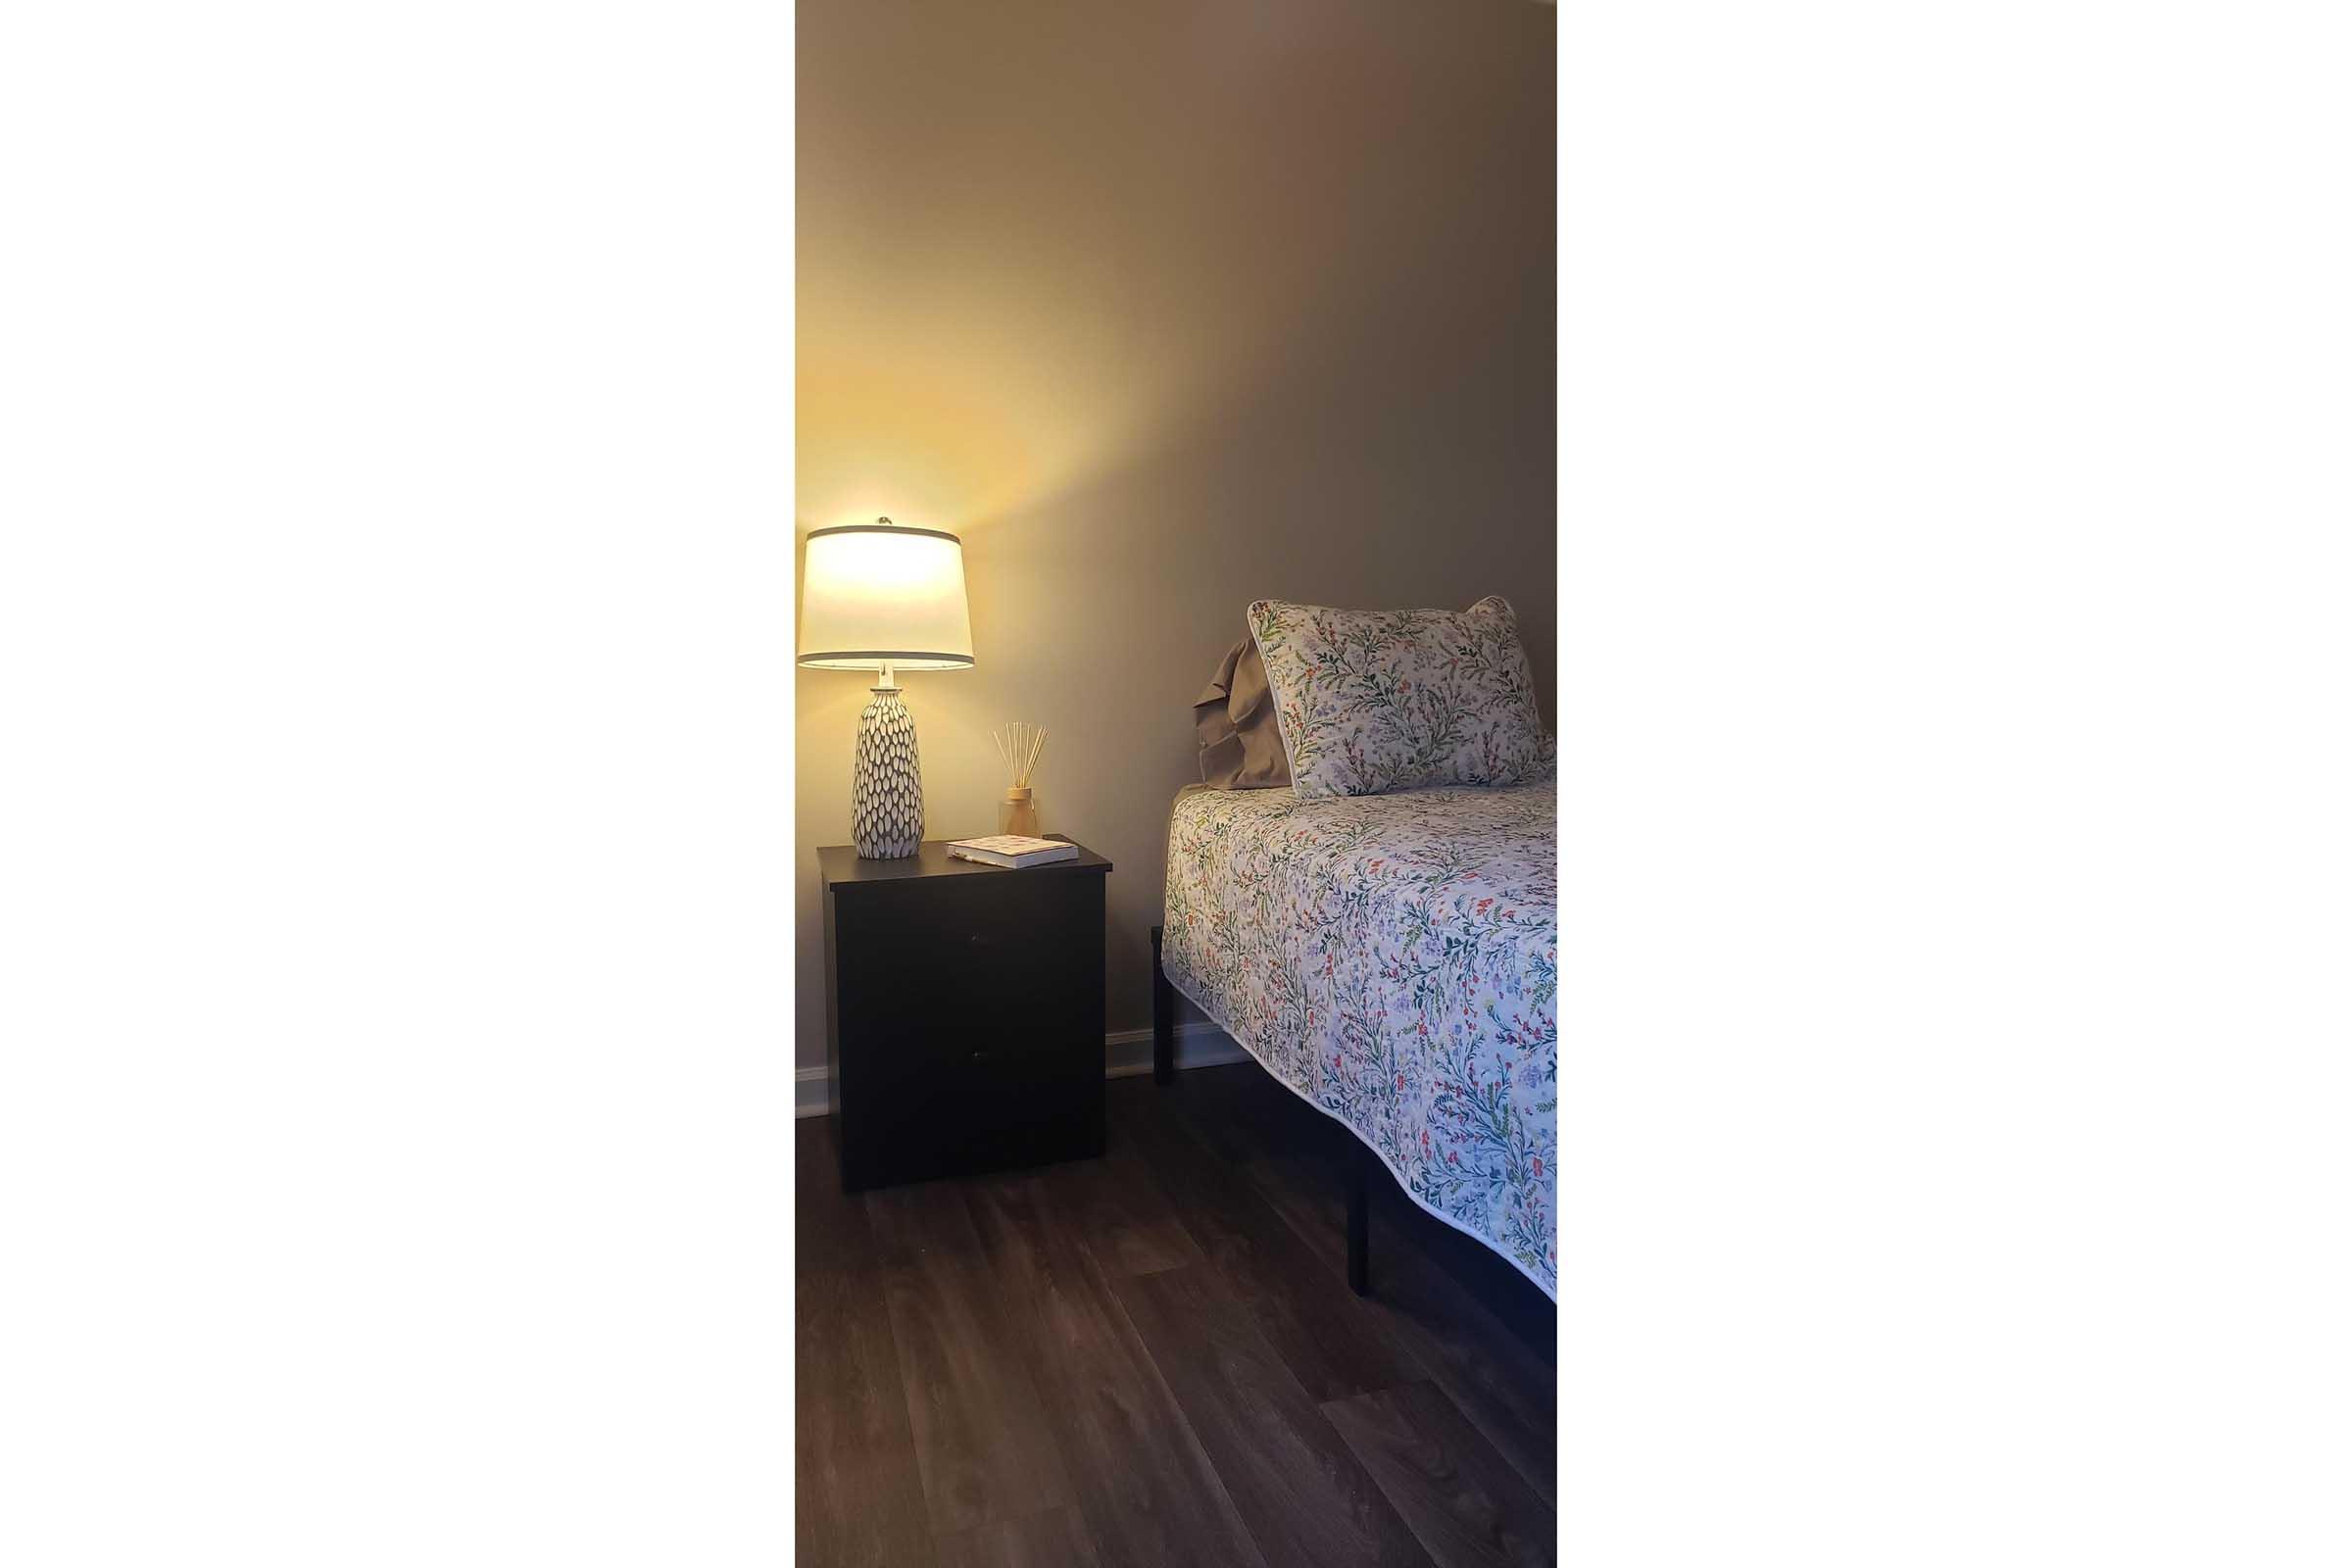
x=1127 y=1054
x=1198 y=1044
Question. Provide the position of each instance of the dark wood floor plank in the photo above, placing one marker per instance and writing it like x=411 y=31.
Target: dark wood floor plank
x=1327 y=1339
x=1006 y=1333
x=1054 y=1539
x=981 y=1437
x=1243 y=1111
x=1470 y=1508
x=1483 y=1333
x=1147 y=1489
x=853 y=1455
x=1123 y=1210
x=828 y=1224
x=1504 y=1385
x=1306 y=1497
x=1260 y=1121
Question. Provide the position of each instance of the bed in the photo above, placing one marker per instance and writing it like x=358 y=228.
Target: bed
x=1394 y=960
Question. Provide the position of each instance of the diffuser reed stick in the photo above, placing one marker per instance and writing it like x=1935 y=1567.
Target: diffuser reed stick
x=1020 y=746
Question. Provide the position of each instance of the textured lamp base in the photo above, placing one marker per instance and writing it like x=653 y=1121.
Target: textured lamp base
x=886 y=794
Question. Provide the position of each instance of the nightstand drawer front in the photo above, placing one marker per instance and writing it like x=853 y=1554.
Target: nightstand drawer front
x=998 y=940
x=930 y=973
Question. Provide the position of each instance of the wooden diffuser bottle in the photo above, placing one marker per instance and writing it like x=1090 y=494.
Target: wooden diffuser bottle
x=1020 y=746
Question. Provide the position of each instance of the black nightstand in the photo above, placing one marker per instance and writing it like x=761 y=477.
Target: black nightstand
x=964 y=1013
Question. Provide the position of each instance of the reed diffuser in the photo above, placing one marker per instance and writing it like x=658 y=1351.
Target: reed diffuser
x=1020 y=745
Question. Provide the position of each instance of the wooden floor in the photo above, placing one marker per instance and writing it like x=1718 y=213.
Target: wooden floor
x=1154 y=1358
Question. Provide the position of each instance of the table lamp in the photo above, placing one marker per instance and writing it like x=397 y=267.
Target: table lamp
x=875 y=596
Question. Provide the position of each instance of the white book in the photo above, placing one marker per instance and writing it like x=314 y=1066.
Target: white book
x=1012 y=850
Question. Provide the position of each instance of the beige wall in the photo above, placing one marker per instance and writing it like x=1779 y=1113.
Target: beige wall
x=1163 y=306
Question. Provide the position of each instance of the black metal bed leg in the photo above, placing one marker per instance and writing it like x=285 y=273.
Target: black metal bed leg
x=1163 y=1016
x=1359 y=1218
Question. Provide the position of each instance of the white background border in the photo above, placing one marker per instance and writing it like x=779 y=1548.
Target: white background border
x=395 y=651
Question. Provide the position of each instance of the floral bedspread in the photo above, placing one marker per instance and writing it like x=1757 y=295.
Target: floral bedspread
x=1394 y=958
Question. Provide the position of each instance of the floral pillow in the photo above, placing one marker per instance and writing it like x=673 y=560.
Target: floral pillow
x=1371 y=701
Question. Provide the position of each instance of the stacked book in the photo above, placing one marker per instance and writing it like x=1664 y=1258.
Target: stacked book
x=1012 y=850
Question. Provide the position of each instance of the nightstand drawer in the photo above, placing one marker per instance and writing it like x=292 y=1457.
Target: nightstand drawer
x=1028 y=1097
x=933 y=975
x=992 y=946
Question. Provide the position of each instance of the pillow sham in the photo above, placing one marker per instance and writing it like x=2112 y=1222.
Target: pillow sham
x=1241 y=747
x=1370 y=700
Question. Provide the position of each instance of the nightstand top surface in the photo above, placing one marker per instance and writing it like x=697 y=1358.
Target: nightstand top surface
x=838 y=866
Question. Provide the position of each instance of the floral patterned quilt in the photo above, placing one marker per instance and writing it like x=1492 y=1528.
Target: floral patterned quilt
x=1394 y=959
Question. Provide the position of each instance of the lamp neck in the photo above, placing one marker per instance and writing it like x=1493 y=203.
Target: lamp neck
x=887 y=681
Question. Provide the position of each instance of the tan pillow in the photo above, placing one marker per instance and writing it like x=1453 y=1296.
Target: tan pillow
x=1241 y=747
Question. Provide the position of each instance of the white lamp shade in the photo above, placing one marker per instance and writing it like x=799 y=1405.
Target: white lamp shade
x=873 y=594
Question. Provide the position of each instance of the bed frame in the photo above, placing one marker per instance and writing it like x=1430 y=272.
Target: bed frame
x=1362 y=1163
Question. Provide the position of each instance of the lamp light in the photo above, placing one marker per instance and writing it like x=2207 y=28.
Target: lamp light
x=875 y=596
